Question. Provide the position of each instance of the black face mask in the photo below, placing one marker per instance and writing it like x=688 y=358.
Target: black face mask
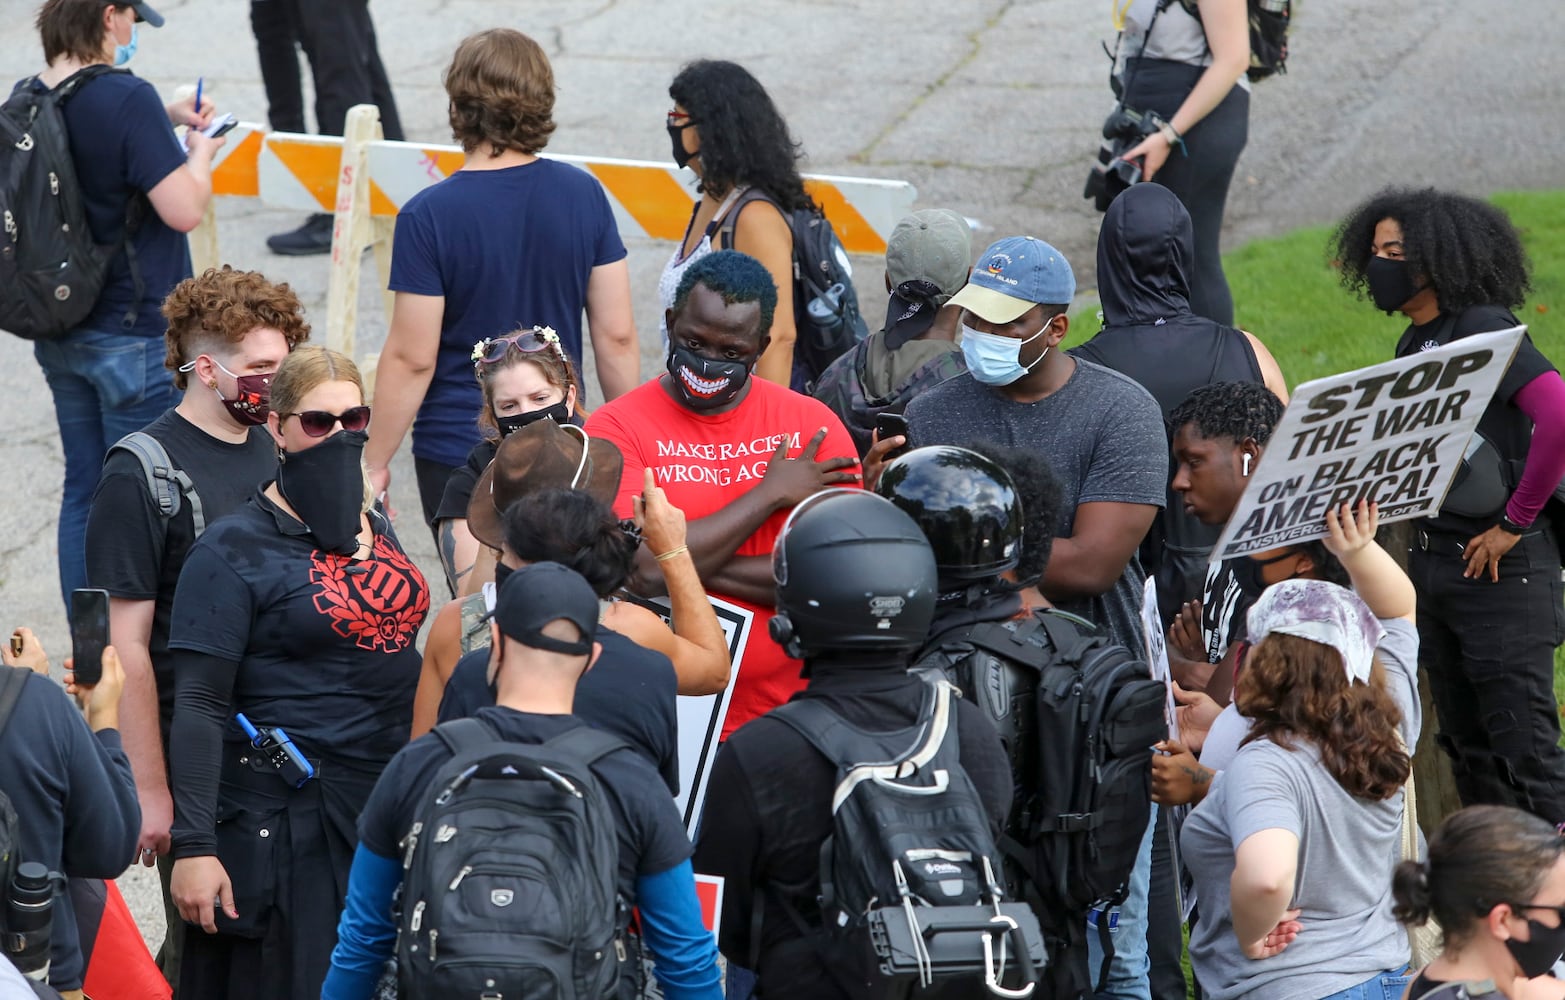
x=325 y=486
x=1390 y=283
x=676 y=135
x=704 y=384
x=559 y=413
x=1540 y=951
x=502 y=573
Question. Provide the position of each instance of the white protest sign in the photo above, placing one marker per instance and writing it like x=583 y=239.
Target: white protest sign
x=700 y=717
x=1392 y=434
x=1157 y=653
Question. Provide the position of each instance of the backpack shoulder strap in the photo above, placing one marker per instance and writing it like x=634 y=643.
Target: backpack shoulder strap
x=1070 y=634
x=587 y=744
x=725 y=231
x=816 y=723
x=71 y=84
x=465 y=735
x=12 y=681
x=167 y=484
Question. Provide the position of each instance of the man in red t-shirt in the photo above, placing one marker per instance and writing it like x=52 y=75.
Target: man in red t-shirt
x=735 y=453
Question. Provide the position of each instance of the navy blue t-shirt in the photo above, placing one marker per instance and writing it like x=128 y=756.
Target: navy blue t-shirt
x=123 y=146
x=506 y=248
x=629 y=692
x=325 y=644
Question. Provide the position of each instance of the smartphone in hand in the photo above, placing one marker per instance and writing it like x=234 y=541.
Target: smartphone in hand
x=89 y=633
x=890 y=425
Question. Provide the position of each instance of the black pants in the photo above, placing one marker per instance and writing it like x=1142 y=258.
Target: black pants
x=1165 y=943
x=1200 y=176
x=338 y=37
x=1489 y=651
x=432 y=477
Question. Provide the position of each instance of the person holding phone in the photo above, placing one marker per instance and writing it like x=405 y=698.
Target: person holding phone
x=227 y=332
x=299 y=610
x=927 y=259
x=140 y=191
x=69 y=782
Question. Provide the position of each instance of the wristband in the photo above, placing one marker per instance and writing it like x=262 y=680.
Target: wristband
x=1170 y=135
x=671 y=553
x=1510 y=527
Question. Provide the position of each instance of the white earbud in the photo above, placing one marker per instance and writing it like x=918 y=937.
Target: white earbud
x=1247 y=465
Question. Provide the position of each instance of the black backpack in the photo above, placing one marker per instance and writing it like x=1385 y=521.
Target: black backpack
x=509 y=873
x=825 y=305
x=910 y=862
x=51 y=270
x=1269 y=22
x=1078 y=715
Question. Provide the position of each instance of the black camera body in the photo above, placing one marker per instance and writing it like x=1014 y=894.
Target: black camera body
x=1111 y=175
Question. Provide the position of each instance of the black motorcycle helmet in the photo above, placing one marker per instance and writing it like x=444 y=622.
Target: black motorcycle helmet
x=966 y=506
x=853 y=573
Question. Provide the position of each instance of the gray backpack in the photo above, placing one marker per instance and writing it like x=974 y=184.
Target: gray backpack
x=170 y=486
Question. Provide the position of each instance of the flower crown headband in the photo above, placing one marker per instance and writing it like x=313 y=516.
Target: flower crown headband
x=482 y=350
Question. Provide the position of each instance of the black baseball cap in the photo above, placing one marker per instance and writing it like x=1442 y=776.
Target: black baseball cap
x=144 y=12
x=540 y=593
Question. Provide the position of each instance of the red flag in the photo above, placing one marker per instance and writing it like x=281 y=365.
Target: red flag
x=119 y=966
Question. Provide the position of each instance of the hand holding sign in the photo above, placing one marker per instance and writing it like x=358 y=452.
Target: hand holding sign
x=1348 y=533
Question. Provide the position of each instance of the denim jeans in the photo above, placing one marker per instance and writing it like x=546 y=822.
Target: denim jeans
x=1128 y=972
x=1386 y=985
x=105 y=384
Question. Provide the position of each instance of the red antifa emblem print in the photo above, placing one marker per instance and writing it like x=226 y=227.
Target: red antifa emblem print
x=379 y=605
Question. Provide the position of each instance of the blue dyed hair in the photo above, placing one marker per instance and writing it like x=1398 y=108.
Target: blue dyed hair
x=735 y=276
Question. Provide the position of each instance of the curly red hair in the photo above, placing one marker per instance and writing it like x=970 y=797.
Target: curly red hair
x=1294 y=688
x=220 y=307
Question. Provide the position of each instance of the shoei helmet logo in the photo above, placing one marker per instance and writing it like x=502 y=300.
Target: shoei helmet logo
x=941 y=868
x=886 y=608
x=501 y=897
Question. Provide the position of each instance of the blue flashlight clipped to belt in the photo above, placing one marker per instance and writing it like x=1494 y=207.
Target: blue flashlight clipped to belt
x=280 y=752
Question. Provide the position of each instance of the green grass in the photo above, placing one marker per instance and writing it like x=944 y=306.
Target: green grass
x=1287 y=293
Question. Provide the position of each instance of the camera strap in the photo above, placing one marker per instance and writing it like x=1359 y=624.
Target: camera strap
x=11 y=685
x=1130 y=69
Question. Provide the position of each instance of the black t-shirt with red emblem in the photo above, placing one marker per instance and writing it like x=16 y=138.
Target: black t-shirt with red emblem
x=324 y=644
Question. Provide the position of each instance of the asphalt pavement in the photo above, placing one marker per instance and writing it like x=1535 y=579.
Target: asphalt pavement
x=989 y=107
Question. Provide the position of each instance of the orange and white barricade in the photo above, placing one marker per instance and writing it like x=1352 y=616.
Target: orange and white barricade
x=364 y=180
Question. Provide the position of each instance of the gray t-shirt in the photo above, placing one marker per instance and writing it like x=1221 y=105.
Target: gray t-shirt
x=1348 y=848
x=1102 y=435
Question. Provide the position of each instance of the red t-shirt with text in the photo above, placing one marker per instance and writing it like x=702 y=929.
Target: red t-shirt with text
x=704 y=462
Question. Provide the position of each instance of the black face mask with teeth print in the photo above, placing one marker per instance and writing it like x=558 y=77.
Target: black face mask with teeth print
x=704 y=384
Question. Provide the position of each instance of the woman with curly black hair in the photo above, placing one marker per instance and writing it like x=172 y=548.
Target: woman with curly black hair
x=1487 y=567
x=726 y=129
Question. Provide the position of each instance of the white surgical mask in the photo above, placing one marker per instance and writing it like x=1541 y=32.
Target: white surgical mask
x=123 y=53
x=996 y=360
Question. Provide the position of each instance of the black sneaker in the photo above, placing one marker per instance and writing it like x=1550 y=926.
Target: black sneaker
x=311 y=238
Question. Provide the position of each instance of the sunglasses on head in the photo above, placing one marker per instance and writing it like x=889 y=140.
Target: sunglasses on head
x=528 y=342
x=318 y=423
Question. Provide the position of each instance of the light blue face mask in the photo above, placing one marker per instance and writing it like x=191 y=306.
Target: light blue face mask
x=123 y=53
x=996 y=360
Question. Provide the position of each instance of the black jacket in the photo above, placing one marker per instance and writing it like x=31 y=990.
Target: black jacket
x=768 y=808
x=1146 y=250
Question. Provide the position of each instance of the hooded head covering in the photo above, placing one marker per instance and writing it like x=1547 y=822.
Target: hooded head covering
x=1145 y=250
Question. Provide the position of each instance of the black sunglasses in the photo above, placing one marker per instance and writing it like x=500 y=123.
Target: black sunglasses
x=318 y=423
x=1558 y=911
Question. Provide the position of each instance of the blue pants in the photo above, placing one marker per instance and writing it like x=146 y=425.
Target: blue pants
x=105 y=385
x=1386 y=985
x=1128 y=972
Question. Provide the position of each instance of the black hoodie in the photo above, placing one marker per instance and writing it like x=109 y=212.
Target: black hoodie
x=1145 y=252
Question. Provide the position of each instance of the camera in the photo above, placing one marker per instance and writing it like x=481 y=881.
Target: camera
x=29 y=906
x=1110 y=174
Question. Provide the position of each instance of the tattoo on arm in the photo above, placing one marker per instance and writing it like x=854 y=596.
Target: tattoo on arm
x=1198 y=774
x=447 y=541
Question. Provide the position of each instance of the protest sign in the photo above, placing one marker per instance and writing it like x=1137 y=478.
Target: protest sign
x=1157 y=653
x=700 y=717
x=1393 y=434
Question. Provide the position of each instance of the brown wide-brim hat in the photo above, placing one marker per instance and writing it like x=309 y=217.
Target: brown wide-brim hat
x=543 y=455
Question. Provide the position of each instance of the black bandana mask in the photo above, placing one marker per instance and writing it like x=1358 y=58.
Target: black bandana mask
x=704 y=384
x=325 y=486
x=559 y=413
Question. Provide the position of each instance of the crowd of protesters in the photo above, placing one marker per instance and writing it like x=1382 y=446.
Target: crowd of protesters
x=269 y=734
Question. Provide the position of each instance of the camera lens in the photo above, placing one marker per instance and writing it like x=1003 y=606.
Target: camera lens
x=29 y=909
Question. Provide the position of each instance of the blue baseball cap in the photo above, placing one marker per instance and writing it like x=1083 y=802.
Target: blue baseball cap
x=1014 y=275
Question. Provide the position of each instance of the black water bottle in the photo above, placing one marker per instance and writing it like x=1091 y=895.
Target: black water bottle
x=28 y=914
